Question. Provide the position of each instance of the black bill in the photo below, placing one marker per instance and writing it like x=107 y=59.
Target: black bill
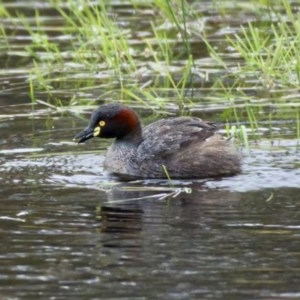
x=86 y=134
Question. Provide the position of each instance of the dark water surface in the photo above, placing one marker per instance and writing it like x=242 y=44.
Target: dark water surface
x=68 y=231
x=235 y=238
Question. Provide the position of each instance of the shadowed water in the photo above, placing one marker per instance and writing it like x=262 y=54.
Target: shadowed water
x=231 y=238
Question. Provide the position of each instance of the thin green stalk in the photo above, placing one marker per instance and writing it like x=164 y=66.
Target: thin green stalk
x=168 y=175
x=244 y=137
x=252 y=119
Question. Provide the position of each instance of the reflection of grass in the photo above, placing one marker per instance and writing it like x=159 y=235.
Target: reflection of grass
x=258 y=60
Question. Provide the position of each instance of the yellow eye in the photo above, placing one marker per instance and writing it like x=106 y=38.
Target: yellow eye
x=102 y=123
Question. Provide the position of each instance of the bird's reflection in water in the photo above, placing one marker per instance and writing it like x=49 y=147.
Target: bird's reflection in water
x=129 y=206
x=119 y=219
x=125 y=206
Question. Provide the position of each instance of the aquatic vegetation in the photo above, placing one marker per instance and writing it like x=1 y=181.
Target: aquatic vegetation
x=240 y=57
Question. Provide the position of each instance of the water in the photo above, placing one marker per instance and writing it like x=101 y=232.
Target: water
x=234 y=238
x=212 y=244
x=68 y=230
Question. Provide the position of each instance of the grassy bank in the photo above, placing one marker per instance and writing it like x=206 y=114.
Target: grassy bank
x=240 y=57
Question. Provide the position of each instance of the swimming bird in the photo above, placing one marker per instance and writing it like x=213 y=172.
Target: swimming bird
x=176 y=147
